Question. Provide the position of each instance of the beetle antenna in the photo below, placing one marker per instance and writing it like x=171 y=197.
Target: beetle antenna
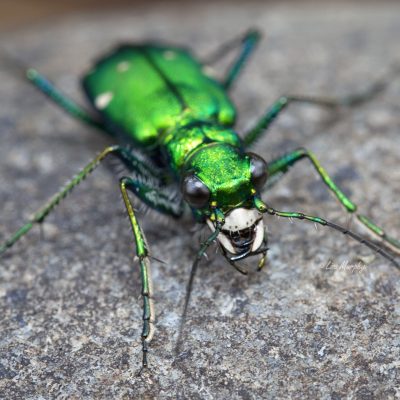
x=364 y=241
x=189 y=287
x=263 y=208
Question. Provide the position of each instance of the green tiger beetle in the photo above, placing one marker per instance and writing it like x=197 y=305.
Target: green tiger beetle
x=162 y=101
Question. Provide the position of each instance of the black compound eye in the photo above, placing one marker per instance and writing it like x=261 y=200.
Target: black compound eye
x=195 y=192
x=258 y=170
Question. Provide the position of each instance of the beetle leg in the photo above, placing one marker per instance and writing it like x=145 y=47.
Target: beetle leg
x=155 y=198
x=247 y=44
x=163 y=204
x=283 y=102
x=264 y=208
x=62 y=100
x=143 y=255
x=282 y=164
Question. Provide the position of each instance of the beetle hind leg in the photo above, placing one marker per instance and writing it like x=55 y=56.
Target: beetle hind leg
x=62 y=100
x=247 y=44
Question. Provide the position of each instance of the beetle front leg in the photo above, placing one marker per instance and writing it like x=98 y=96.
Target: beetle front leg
x=157 y=200
x=143 y=255
x=282 y=164
x=264 y=208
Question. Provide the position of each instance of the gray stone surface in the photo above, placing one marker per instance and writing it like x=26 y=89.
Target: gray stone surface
x=70 y=303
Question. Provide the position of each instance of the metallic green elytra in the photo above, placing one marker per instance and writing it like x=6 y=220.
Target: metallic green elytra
x=146 y=91
x=160 y=101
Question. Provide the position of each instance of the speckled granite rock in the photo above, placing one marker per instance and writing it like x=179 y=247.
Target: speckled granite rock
x=70 y=306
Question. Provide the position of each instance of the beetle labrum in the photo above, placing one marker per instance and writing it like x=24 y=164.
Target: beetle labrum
x=160 y=100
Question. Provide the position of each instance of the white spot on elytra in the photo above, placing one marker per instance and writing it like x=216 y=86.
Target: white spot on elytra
x=102 y=100
x=169 y=54
x=209 y=71
x=123 y=66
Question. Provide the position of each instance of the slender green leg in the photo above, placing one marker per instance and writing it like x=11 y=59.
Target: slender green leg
x=160 y=201
x=248 y=43
x=272 y=113
x=164 y=205
x=155 y=198
x=282 y=164
x=143 y=255
x=70 y=106
x=264 y=208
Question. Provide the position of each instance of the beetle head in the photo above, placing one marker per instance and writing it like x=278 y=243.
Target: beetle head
x=219 y=183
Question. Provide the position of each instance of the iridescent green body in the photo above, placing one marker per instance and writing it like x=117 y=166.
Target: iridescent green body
x=151 y=90
x=160 y=101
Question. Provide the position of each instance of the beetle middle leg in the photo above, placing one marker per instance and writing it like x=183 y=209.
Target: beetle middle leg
x=283 y=102
x=282 y=164
x=40 y=215
x=353 y=99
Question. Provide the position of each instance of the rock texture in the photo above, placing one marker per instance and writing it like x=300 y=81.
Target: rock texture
x=70 y=307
